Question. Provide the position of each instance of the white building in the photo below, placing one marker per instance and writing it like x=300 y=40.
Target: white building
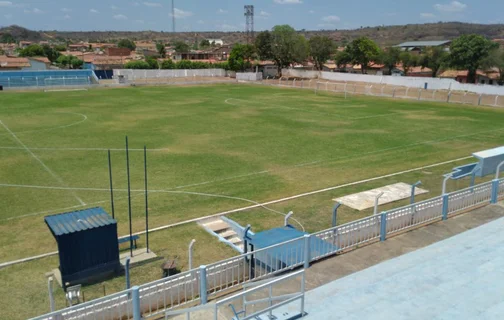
x=218 y=42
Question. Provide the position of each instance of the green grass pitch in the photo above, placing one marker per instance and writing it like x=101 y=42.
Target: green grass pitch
x=210 y=148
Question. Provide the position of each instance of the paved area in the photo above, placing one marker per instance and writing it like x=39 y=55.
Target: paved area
x=457 y=277
x=391 y=193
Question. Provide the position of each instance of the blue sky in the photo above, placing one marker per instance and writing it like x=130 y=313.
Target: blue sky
x=227 y=15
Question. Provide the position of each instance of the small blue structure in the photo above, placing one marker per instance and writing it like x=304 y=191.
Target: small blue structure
x=287 y=255
x=488 y=162
x=87 y=245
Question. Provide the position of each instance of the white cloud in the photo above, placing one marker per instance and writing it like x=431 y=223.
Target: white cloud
x=331 y=19
x=8 y=16
x=93 y=11
x=311 y=11
x=427 y=15
x=264 y=14
x=288 y=1
x=201 y=22
x=179 y=13
x=114 y=7
x=222 y=11
x=67 y=17
x=326 y=25
x=152 y=4
x=5 y=4
x=35 y=10
x=140 y=21
x=120 y=17
x=66 y=10
x=8 y=4
x=454 y=6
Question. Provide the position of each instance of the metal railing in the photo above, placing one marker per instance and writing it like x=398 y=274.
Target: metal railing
x=271 y=302
x=198 y=284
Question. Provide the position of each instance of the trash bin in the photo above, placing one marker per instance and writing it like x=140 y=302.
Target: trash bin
x=1 y=88
x=121 y=79
x=169 y=268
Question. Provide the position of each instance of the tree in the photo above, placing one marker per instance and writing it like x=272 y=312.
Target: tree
x=263 y=45
x=184 y=64
x=126 y=43
x=239 y=58
x=161 y=49
x=50 y=53
x=204 y=43
x=152 y=62
x=168 y=64
x=408 y=61
x=390 y=57
x=363 y=50
x=321 y=48
x=60 y=47
x=434 y=58
x=496 y=61
x=70 y=62
x=342 y=58
x=468 y=52
x=33 y=50
x=287 y=46
x=137 y=64
x=7 y=38
x=181 y=47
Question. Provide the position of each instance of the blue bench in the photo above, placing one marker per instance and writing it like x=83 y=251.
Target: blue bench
x=127 y=239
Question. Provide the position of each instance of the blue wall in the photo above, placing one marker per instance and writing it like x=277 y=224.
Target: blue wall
x=47 y=78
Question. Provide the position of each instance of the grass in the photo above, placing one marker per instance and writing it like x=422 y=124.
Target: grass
x=244 y=142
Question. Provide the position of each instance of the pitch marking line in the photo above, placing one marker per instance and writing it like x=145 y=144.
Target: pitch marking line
x=84 y=118
x=40 y=161
x=82 y=149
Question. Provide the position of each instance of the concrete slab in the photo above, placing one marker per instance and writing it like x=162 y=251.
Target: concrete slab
x=391 y=193
x=140 y=256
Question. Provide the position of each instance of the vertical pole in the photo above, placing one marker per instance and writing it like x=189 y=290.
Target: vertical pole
x=473 y=179
x=146 y=201
x=111 y=186
x=495 y=191
x=203 y=285
x=135 y=298
x=419 y=93
x=479 y=99
x=335 y=213
x=445 y=207
x=383 y=227
x=286 y=219
x=377 y=198
x=448 y=98
x=416 y=184
x=129 y=197
x=127 y=273
x=190 y=253
x=306 y=251
x=51 y=295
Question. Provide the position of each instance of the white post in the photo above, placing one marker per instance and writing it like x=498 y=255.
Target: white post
x=496 y=100
x=326 y=86
x=51 y=295
x=498 y=170
x=378 y=196
x=286 y=219
x=191 y=244
x=448 y=177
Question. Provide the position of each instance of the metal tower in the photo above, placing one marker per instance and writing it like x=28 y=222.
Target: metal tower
x=173 y=15
x=249 y=23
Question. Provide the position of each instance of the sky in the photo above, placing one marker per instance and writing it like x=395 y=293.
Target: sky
x=228 y=15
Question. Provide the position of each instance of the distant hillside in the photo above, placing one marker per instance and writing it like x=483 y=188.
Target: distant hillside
x=384 y=35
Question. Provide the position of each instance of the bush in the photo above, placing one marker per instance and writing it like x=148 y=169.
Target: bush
x=168 y=64
x=137 y=65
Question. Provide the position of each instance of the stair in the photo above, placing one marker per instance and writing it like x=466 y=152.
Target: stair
x=220 y=228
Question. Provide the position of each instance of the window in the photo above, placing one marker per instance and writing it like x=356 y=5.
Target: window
x=482 y=81
x=490 y=82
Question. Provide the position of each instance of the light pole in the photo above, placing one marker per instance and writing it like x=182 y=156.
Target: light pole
x=191 y=244
x=335 y=213
x=413 y=186
x=447 y=177
x=378 y=196
x=286 y=219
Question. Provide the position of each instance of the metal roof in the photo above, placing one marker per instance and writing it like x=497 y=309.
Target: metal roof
x=424 y=43
x=76 y=221
x=489 y=153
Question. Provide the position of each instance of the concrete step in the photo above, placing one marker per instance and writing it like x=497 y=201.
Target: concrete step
x=217 y=226
x=227 y=234
x=235 y=240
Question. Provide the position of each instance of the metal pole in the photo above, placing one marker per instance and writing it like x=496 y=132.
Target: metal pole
x=111 y=186
x=51 y=295
x=448 y=177
x=286 y=219
x=127 y=273
x=129 y=197
x=135 y=297
x=190 y=253
x=335 y=213
x=146 y=201
x=498 y=170
x=413 y=186
x=378 y=196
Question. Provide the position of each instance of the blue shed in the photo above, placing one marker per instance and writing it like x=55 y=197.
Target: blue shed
x=87 y=245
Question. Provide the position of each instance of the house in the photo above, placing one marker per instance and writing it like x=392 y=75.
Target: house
x=217 y=42
x=12 y=64
x=78 y=47
x=8 y=48
x=38 y=63
x=490 y=78
x=412 y=72
x=222 y=53
x=195 y=55
x=372 y=69
x=119 y=52
x=24 y=44
x=267 y=68
x=420 y=46
x=104 y=62
x=145 y=45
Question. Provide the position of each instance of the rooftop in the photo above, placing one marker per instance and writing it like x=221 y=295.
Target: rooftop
x=71 y=222
x=424 y=43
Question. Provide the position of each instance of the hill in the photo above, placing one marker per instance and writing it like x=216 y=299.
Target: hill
x=383 y=35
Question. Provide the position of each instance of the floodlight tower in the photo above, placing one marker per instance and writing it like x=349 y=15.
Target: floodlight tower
x=249 y=23
x=173 y=15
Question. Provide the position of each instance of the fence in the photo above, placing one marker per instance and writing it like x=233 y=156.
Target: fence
x=135 y=75
x=199 y=284
x=26 y=79
x=384 y=90
x=264 y=305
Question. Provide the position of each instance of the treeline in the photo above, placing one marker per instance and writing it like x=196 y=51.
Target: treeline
x=151 y=63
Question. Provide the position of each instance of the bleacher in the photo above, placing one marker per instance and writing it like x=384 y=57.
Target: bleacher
x=50 y=78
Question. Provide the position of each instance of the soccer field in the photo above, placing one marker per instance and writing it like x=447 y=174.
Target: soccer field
x=210 y=149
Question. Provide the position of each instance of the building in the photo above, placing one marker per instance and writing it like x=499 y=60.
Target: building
x=24 y=44
x=490 y=78
x=412 y=72
x=38 y=63
x=145 y=45
x=420 y=46
x=267 y=68
x=119 y=52
x=218 y=42
x=222 y=53
x=8 y=48
x=195 y=55
x=12 y=64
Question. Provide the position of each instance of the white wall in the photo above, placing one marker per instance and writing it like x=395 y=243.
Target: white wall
x=152 y=74
x=412 y=82
x=249 y=76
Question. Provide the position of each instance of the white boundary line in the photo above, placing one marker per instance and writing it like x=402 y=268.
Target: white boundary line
x=264 y=204
x=40 y=161
x=84 y=118
x=83 y=149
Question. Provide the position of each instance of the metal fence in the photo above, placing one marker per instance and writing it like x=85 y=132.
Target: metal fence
x=199 y=284
x=391 y=91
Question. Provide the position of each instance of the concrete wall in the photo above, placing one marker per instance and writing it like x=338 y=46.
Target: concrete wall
x=412 y=82
x=249 y=76
x=152 y=74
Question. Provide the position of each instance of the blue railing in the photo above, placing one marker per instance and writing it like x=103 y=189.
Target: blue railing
x=52 y=78
x=198 y=284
